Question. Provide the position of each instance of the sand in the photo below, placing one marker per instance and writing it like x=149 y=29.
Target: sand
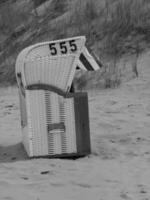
x=119 y=166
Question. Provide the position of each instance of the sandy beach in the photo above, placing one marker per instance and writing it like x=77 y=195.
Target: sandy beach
x=119 y=166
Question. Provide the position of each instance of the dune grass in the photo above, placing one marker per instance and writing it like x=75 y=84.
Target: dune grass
x=112 y=28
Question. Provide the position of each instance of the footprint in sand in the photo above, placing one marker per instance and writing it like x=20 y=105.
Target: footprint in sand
x=9 y=106
x=57 y=184
x=126 y=140
x=125 y=196
x=8 y=198
x=7 y=113
x=84 y=185
x=25 y=178
x=142 y=190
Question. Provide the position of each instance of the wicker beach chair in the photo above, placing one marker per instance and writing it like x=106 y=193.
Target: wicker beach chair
x=54 y=121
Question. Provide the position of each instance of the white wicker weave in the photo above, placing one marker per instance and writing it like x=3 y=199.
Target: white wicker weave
x=49 y=108
x=50 y=71
x=48 y=119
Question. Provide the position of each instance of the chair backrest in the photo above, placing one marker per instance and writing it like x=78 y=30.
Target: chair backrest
x=50 y=63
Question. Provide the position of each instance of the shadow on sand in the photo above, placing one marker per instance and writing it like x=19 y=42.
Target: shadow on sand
x=12 y=153
x=16 y=152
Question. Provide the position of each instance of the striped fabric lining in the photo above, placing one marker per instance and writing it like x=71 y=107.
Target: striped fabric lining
x=88 y=62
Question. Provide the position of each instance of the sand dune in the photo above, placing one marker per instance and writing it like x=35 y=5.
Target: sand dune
x=118 y=167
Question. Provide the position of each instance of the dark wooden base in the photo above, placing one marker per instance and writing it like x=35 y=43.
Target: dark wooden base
x=72 y=156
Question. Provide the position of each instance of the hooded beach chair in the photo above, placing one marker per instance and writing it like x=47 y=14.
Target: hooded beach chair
x=54 y=122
